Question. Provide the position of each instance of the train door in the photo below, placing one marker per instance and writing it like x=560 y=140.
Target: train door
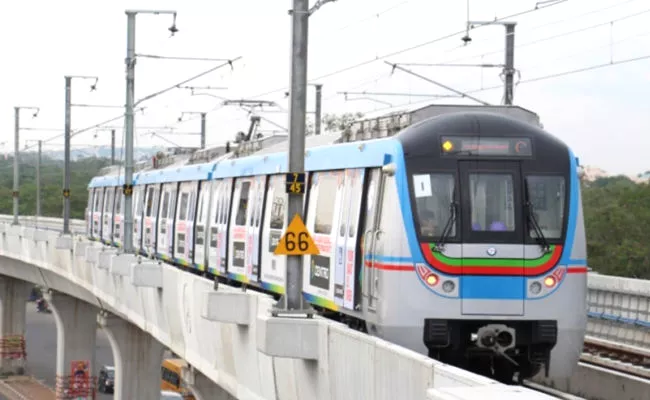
x=241 y=209
x=166 y=215
x=325 y=203
x=118 y=217
x=202 y=222
x=273 y=268
x=493 y=234
x=138 y=202
x=184 y=223
x=220 y=209
x=253 y=228
x=89 y=213
x=346 y=239
x=272 y=274
x=370 y=229
x=150 y=223
x=97 y=213
x=107 y=216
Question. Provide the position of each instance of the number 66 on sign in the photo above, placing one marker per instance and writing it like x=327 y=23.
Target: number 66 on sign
x=296 y=241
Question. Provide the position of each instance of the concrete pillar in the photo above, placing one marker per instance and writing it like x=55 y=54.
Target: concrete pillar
x=203 y=388
x=138 y=358
x=13 y=306
x=76 y=334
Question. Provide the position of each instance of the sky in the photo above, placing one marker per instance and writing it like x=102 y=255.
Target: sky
x=602 y=113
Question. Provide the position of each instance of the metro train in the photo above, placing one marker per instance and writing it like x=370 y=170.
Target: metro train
x=461 y=237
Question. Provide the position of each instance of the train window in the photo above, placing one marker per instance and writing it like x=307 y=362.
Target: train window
x=547 y=196
x=165 y=205
x=434 y=194
x=492 y=202
x=98 y=200
x=108 y=203
x=243 y=204
x=118 y=202
x=327 y=188
x=182 y=216
x=357 y=187
x=172 y=203
x=192 y=209
x=150 y=201
x=279 y=204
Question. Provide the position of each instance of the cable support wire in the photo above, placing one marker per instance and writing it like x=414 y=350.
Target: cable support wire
x=229 y=62
x=407 y=49
x=547 y=38
x=538 y=79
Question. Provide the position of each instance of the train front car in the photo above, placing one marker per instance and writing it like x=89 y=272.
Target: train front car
x=499 y=236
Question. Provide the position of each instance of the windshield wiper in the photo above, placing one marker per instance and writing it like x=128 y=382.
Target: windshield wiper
x=538 y=230
x=446 y=232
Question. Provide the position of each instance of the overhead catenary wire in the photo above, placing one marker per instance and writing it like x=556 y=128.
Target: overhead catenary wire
x=407 y=49
x=539 y=78
x=554 y=36
x=97 y=125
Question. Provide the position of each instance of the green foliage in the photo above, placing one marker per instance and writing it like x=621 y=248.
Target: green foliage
x=81 y=172
x=617 y=219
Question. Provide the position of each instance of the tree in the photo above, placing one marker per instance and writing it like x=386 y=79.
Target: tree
x=617 y=223
x=81 y=172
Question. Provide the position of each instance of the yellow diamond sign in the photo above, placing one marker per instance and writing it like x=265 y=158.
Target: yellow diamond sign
x=447 y=145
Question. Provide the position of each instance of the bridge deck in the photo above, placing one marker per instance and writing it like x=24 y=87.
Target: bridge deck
x=25 y=388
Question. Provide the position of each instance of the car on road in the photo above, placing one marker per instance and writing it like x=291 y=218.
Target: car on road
x=106 y=379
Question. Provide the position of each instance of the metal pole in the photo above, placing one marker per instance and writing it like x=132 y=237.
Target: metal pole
x=66 y=157
x=509 y=68
x=112 y=146
x=16 y=166
x=297 y=112
x=38 y=179
x=203 y=130
x=317 y=116
x=128 y=139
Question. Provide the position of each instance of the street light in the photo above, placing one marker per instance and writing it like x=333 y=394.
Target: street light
x=129 y=118
x=16 y=155
x=66 y=145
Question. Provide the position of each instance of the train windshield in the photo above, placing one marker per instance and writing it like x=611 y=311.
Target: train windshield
x=546 y=195
x=434 y=195
x=491 y=203
x=491 y=198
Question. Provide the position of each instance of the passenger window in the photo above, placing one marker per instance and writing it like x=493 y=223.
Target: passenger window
x=243 y=204
x=492 y=202
x=150 y=201
x=327 y=187
x=183 y=206
x=547 y=196
x=434 y=194
x=192 y=207
x=278 y=207
x=357 y=187
x=118 y=202
x=165 y=205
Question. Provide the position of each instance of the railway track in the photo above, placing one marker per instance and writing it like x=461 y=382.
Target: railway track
x=630 y=360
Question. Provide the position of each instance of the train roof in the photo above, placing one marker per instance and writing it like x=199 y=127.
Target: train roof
x=424 y=137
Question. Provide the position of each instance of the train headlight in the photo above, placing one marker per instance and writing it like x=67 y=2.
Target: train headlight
x=432 y=280
x=448 y=286
x=549 y=281
x=535 y=288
